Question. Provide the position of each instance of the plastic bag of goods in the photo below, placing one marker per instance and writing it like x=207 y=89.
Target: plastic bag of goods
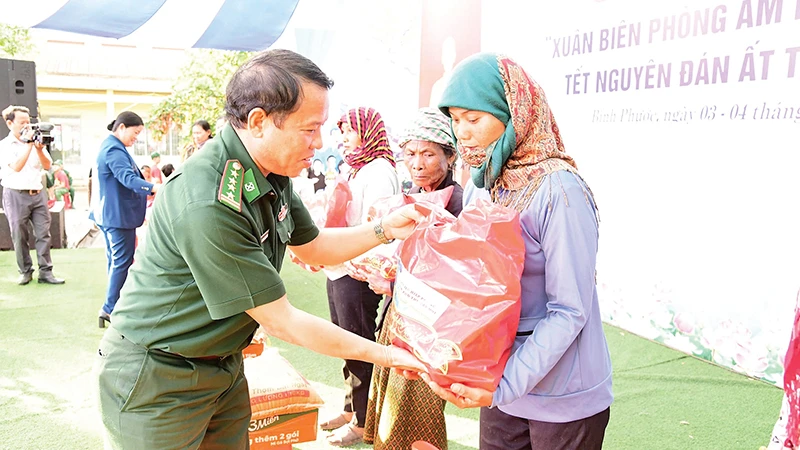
x=457 y=293
x=338 y=199
x=327 y=209
x=382 y=260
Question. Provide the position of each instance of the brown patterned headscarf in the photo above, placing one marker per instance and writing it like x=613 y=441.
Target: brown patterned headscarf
x=368 y=123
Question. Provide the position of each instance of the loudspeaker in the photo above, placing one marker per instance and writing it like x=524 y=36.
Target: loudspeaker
x=17 y=87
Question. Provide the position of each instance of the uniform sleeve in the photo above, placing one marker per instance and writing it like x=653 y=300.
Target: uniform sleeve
x=120 y=166
x=568 y=236
x=226 y=260
x=305 y=230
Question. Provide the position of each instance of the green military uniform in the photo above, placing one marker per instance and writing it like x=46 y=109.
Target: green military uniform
x=171 y=364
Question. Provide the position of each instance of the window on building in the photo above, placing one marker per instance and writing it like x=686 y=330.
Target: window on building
x=66 y=139
x=143 y=145
x=170 y=144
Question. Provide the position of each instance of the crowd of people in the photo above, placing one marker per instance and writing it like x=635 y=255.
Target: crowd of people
x=208 y=274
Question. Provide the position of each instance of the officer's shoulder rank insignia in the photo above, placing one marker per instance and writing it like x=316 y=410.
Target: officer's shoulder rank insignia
x=230 y=187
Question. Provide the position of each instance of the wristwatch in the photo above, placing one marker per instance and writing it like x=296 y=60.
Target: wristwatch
x=380 y=234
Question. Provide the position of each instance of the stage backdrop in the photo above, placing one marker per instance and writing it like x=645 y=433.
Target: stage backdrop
x=451 y=31
x=684 y=117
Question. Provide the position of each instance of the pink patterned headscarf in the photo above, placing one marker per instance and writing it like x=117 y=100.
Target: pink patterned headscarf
x=374 y=142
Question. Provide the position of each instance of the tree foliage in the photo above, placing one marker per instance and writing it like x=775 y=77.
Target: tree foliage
x=198 y=92
x=14 y=41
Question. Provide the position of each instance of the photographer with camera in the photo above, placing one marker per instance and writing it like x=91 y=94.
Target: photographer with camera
x=22 y=158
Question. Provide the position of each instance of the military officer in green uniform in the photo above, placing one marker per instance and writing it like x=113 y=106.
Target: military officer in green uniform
x=170 y=367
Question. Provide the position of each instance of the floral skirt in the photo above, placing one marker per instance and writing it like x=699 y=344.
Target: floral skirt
x=400 y=411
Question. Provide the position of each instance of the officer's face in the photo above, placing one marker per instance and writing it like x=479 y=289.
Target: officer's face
x=289 y=149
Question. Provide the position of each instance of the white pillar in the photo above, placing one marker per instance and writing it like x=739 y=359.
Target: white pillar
x=111 y=113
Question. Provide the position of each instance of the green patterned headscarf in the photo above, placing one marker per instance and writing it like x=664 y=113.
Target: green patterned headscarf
x=476 y=85
x=430 y=125
x=531 y=146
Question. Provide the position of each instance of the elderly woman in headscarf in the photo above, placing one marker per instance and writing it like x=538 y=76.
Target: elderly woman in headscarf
x=429 y=155
x=353 y=305
x=403 y=411
x=556 y=387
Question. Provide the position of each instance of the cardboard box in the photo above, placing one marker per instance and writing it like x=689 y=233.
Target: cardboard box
x=284 y=430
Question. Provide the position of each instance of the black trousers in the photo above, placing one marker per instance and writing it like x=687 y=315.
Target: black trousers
x=500 y=431
x=354 y=307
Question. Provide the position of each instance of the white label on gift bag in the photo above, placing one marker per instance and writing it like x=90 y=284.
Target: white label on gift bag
x=415 y=299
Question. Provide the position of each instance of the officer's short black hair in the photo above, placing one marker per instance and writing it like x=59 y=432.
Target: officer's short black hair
x=271 y=80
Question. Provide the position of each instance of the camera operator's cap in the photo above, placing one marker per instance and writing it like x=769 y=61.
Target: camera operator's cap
x=154 y=155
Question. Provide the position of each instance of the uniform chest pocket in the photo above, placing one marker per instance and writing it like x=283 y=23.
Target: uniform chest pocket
x=285 y=228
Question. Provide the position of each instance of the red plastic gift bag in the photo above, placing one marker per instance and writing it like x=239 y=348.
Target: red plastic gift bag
x=791 y=381
x=382 y=260
x=386 y=205
x=457 y=294
x=315 y=204
x=336 y=206
x=327 y=209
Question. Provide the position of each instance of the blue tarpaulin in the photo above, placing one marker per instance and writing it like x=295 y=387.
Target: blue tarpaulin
x=220 y=24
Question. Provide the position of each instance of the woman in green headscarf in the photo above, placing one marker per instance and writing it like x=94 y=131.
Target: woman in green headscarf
x=556 y=387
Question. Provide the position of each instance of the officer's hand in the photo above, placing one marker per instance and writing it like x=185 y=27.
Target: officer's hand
x=460 y=395
x=400 y=223
x=156 y=187
x=399 y=358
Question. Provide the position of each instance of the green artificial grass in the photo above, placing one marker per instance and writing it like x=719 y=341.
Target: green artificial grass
x=663 y=398
x=667 y=400
x=49 y=338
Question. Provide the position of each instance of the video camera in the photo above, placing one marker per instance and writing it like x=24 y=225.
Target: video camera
x=41 y=133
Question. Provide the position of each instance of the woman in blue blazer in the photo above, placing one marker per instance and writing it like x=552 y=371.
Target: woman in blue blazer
x=119 y=205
